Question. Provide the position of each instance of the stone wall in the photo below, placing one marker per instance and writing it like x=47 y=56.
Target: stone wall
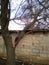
x=32 y=48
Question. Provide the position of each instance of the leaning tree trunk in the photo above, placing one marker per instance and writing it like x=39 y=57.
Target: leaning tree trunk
x=5 y=34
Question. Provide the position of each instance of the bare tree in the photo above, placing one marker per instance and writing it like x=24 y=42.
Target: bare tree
x=36 y=10
x=5 y=15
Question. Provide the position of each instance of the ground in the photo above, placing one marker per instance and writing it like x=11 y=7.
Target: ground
x=3 y=62
x=18 y=62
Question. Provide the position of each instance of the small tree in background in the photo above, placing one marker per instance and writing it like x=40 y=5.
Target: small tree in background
x=38 y=11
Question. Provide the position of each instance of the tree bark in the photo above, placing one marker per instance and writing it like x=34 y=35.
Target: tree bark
x=10 y=51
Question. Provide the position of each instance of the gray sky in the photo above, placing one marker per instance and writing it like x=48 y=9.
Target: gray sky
x=16 y=10
x=14 y=7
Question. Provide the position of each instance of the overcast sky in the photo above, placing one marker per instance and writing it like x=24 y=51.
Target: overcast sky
x=14 y=7
x=16 y=10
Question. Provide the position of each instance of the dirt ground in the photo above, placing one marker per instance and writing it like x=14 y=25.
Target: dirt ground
x=3 y=62
x=18 y=62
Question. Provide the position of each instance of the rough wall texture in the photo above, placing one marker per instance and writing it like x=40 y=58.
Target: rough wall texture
x=32 y=48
